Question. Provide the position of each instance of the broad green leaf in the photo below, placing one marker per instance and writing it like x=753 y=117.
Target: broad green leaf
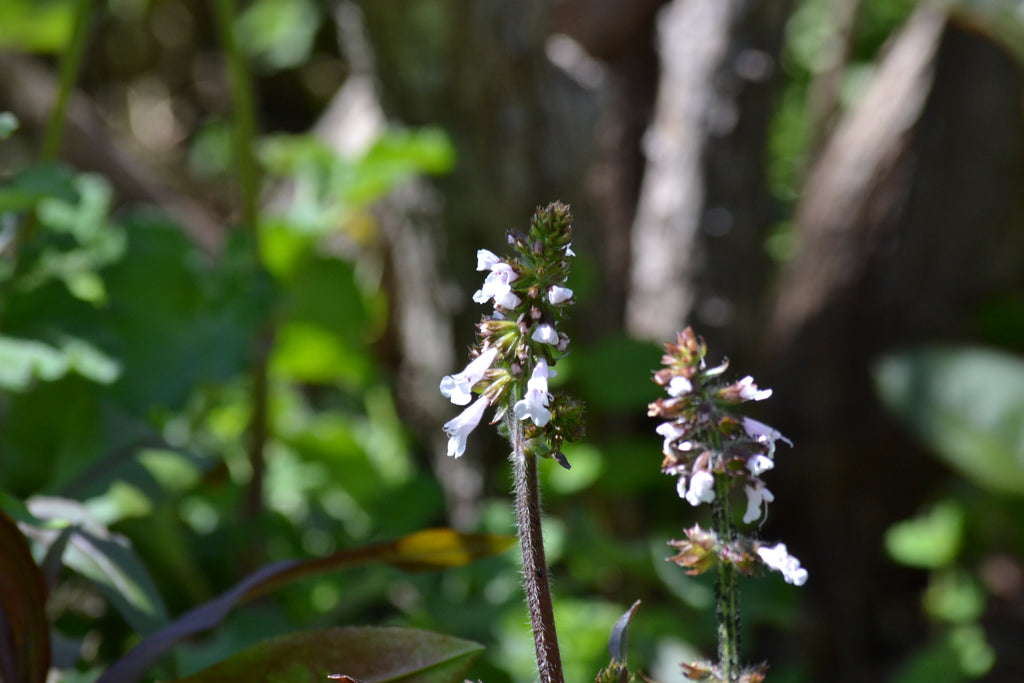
x=421 y=551
x=967 y=404
x=22 y=605
x=372 y=654
x=929 y=541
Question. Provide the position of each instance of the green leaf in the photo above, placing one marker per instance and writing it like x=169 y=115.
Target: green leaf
x=373 y=654
x=107 y=559
x=8 y=124
x=421 y=551
x=36 y=25
x=967 y=404
x=35 y=184
x=22 y=606
x=24 y=360
x=929 y=541
x=632 y=360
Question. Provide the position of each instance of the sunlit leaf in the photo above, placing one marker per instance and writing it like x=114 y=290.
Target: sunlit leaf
x=35 y=25
x=107 y=559
x=22 y=607
x=369 y=654
x=967 y=404
x=35 y=184
x=420 y=551
x=279 y=33
x=24 y=360
x=929 y=541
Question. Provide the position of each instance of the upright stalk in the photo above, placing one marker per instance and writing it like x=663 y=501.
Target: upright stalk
x=725 y=587
x=535 y=568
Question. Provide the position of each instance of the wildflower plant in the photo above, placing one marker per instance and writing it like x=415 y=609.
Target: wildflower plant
x=711 y=449
x=518 y=346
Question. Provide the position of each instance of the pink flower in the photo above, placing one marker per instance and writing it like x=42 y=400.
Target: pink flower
x=557 y=295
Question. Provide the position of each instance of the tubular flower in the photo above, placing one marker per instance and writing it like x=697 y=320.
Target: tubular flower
x=756 y=496
x=459 y=387
x=557 y=295
x=702 y=488
x=780 y=560
x=534 y=404
x=458 y=428
x=545 y=334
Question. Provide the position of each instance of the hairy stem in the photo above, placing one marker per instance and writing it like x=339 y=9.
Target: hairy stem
x=535 y=569
x=725 y=588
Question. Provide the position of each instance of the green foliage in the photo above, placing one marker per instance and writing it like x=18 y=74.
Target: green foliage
x=36 y=25
x=930 y=541
x=967 y=404
x=370 y=654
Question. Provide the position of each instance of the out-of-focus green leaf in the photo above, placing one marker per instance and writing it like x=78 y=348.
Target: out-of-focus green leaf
x=22 y=606
x=421 y=551
x=36 y=25
x=967 y=404
x=107 y=559
x=961 y=654
x=954 y=596
x=929 y=541
x=34 y=184
x=279 y=33
x=24 y=360
x=8 y=124
x=181 y=320
x=632 y=360
x=372 y=654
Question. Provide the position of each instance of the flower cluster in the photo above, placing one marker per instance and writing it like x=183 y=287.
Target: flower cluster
x=519 y=342
x=710 y=448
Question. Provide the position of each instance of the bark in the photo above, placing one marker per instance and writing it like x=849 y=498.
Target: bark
x=910 y=222
x=703 y=210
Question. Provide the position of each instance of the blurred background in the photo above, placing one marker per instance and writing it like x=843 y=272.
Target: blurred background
x=222 y=332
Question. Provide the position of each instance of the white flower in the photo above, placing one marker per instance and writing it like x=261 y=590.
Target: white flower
x=497 y=285
x=557 y=295
x=534 y=404
x=762 y=433
x=759 y=464
x=750 y=392
x=458 y=428
x=485 y=260
x=678 y=386
x=671 y=431
x=545 y=334
x=756 y=496
x=780 y=560
x=702 y=488
x=459 y=387
x=568 y=250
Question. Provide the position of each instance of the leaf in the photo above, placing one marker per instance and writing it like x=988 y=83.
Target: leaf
x=8 y=124
x=370 y=654
x=105 y=558
x=929 y=541
x=25 y=360
x=22 y=609
x=423 y=550
x=967 y=404
x=618 y=643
